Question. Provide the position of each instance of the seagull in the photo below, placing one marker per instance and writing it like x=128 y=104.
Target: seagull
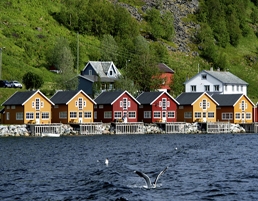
x=147 y=178
x=106 y=161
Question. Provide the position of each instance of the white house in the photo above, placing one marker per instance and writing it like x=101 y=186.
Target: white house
x=217 y=82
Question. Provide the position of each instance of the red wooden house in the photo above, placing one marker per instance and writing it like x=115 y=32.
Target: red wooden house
x=167 y=75
x=116 y=106
x=157 y=106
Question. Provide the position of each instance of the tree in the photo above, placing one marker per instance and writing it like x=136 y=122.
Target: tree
x=109 y=49
x=62 y=58
x=32 y=81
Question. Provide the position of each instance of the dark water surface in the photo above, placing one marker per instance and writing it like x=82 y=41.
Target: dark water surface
x=200 y=167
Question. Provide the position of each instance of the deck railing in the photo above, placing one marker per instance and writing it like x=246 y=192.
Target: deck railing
x=218 y=127
x=91 y=128
x=129 y=128
x=37 y=130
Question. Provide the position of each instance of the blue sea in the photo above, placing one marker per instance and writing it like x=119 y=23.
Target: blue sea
x=208 y=167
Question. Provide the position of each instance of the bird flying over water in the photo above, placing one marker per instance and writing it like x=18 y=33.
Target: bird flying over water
x=147 y=178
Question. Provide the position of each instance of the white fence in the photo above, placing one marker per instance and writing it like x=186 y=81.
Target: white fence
x=218 y=127
x=91 y=128
x=129 y=128
x=37 y=130
x=175 y=127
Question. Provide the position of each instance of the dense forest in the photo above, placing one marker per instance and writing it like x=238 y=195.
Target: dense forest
x=135 y=34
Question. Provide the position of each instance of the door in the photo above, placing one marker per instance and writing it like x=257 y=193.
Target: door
x=37 y=118
x=164 y=116
x=80 y=117
x=204 y=116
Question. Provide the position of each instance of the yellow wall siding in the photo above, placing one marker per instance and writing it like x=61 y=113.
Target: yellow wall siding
x=210 y=108
x=244 y=110
x=44 y=107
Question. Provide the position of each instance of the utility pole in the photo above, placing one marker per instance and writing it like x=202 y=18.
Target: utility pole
x=78 y=52
x=1 y=50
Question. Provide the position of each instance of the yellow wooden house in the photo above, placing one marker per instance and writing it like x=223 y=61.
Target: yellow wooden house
x=234 y=108
x=72 y=107
x=196 y=107
x=25 y=107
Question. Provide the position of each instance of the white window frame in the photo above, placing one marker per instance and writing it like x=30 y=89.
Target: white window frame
x=197 y=115
x=171 y=114
x=19 y=115
x=156 y=114
x=248 y=115
x=227 y=116
x=87 y=115
x=107 y=114
x=73 y=115
x=211 y=115
x=237 y=116
x=63 y=115
x=188 y=115
x=45 y=115
x=193 y=88
x=147 y=114
x=29 y=115
x=117 y=114
x=131 y=115
x=37 y=105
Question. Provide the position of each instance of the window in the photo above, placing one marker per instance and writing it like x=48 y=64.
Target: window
x=226 y=87
x=45 y=115
x=248 y=115
x=41 y=104
x=132 y=114
x=233 y=87
x=101 y=106
x=110 y=86
x=63 y=115
x=216 y=87
x=29 y=115
x=73 y=115
x=188 y=115
x=204 y=76
x=117 y=115
x=193 y=88
x=237 y=87
x=164 y=103
x=210 y=114
x=156 y=114
x=110 y=72
x=19 y=115
x=125 y=103
x=87 y=115
x=33 y=104
x=13 y=107
x=37 y=103
x=147 y=114
x=171 y=114
x=56 y=106
x=241 y=88
x=227 y=116
x=204 y=114
x=107 y=114
x=90 y=72
x=206 y=87
x=80 y=103
x=84 y=103
x=204 y=104
x=243 y=105
x=197 y=114
x=7 y=115
x=237 y=115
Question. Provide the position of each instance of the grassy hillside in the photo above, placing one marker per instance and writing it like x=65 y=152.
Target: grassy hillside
x=28 y=31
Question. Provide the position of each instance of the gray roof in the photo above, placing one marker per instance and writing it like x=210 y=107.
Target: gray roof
x=63 y=97
x=94 y=78
x=148 y=97
x=188 y=98
x=164 y=68
x=226 y=99
x=19 y=98
x=226 y=77
x=108 y=97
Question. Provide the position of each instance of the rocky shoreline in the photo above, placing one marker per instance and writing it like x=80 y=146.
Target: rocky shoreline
x=67 y=130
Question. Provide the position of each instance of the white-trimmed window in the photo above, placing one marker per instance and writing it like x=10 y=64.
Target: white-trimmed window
x=156 y=114
x=237 y=87
x=7 y=115
x=206 y=87
x=37 y=104
x=132 y=115
x=188 y=115
x=45 y=115
x=87 y=115
x=125 y=103
x=73 y=115
x=197 y=114
x=84 y=103
x=147 y=114
x=80 y=104
x=32 y=104
x=117 y=115
x=210 y=114
x=226 y=87
x=233 y=87
x=107 y=114
x=204 y=104
x=19 y=115
x=171 y=114
x=237 y=115
x=101 y=106
x=164 y=103
x=216 y=87
x=63 y=115
x=29 y=115
x=204 y=76
x=227 y=116
x=42 y=104
x=193 y=88
x=248 y=115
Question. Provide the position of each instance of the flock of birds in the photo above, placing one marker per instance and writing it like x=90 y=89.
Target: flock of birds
x=146 y=177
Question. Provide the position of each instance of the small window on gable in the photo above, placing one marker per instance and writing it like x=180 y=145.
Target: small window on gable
x=76 y=103
x=204 y=77
x=33 y=104
x=121 y=103
x=111 y=72
x=84 y=103
x=90 y=72
x=129 y=103
x=42 y=103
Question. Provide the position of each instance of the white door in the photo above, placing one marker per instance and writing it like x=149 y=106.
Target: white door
x=80 y=117
x=204 y=116
x=37 y=118
x=164 y=116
